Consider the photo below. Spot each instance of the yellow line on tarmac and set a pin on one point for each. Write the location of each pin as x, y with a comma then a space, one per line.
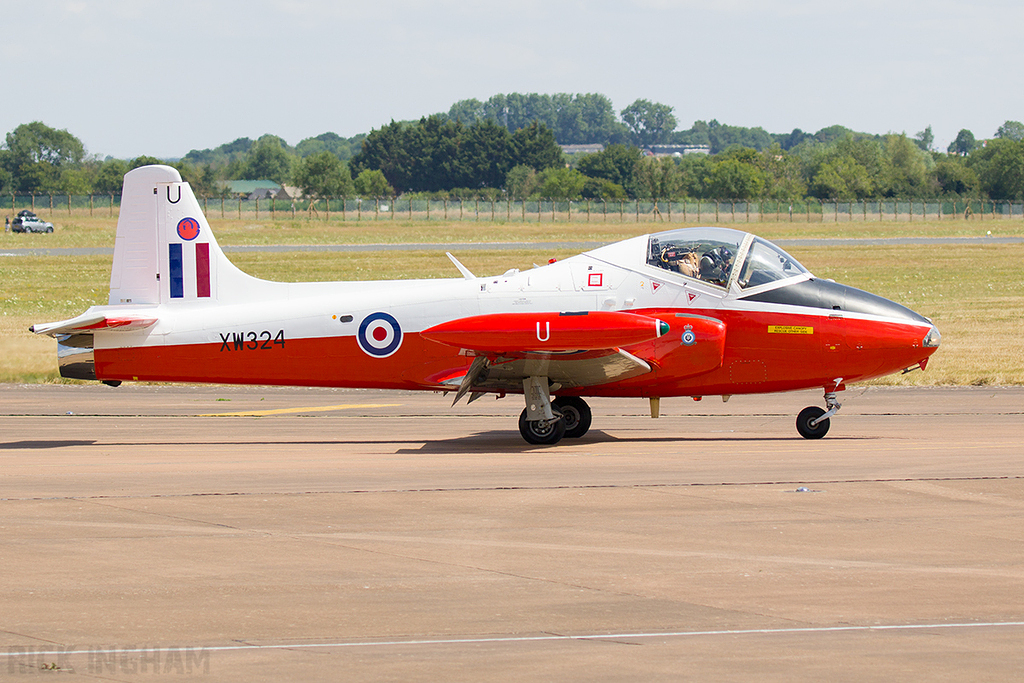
315, 409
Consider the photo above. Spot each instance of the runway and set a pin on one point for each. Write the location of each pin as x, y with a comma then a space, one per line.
249, 534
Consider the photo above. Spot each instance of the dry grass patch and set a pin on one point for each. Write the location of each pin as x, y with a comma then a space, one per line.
975, 295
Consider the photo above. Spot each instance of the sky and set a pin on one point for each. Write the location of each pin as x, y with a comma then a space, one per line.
134, 77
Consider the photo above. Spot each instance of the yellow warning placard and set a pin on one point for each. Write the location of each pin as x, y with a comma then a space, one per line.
789, 329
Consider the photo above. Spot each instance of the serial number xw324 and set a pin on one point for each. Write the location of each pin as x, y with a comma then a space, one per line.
251, 341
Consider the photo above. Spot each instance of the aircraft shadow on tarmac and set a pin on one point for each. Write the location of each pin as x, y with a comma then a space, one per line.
484, 442
505, 441
42, 444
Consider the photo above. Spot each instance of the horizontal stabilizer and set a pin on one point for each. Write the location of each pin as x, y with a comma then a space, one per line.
94, 322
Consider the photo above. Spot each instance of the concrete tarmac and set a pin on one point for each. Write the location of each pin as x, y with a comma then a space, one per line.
269, 534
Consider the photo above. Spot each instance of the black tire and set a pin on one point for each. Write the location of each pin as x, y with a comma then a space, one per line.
49, 228
575, 414
804, 419
539, 433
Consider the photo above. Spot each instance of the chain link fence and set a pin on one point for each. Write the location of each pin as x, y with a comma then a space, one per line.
545, 210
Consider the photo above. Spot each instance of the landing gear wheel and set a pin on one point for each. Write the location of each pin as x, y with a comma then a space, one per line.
804, 420
575, 414
541, 432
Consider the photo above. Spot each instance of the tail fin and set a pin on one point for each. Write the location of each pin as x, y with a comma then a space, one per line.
165, 251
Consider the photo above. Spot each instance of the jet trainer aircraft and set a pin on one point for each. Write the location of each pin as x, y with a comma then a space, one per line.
686, 312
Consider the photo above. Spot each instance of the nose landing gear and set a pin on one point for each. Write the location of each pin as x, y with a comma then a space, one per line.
813, 422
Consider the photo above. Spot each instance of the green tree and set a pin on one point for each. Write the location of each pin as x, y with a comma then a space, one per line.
323, 175
841, 178
735, 178
833, 134
574, 119
783, 174
1011, 130
650, 122
469, 111
535, 146
721, 137
387, 150
694, 170
615, 163
37, 155
142, 161
561, 183
343, 148
846, 169
925, 139
233, 151
38, 177
602, 188
267, 159
906, 169
372, 184
202, 178
657, 178
73, 181
964, 143
955, 178
36, 142
485, 151
520, 182
110, 177
1000, 168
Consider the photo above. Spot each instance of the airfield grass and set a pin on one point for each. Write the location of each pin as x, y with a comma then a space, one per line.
974, 293
98, 231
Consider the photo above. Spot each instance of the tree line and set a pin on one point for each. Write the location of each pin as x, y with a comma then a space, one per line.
509, 146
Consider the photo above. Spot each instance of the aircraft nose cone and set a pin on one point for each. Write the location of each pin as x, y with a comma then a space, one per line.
932, 339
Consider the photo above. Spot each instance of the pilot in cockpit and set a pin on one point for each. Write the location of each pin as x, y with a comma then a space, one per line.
715, 266
679, 260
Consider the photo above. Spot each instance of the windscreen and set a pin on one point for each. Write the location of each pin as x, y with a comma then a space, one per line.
767, 263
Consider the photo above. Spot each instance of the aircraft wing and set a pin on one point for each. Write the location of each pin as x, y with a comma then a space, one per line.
572, 349
587, 370
94, 322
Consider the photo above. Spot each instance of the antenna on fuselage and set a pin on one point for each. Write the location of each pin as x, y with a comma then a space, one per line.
462, 269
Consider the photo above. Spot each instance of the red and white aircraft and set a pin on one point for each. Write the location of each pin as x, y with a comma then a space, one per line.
686, 312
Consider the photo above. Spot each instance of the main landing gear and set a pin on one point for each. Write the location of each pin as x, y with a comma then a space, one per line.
544, 422
813, 422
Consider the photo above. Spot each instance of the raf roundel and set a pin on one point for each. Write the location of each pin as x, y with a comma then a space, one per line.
188, 229
379, 335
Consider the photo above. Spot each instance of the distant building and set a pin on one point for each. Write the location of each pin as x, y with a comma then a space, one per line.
288, 192
678, 150
247, 188
262, 193
581, 149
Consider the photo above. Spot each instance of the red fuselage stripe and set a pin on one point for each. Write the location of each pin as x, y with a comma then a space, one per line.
763, 352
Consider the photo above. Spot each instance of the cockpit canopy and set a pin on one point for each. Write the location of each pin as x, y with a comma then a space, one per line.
721, 256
